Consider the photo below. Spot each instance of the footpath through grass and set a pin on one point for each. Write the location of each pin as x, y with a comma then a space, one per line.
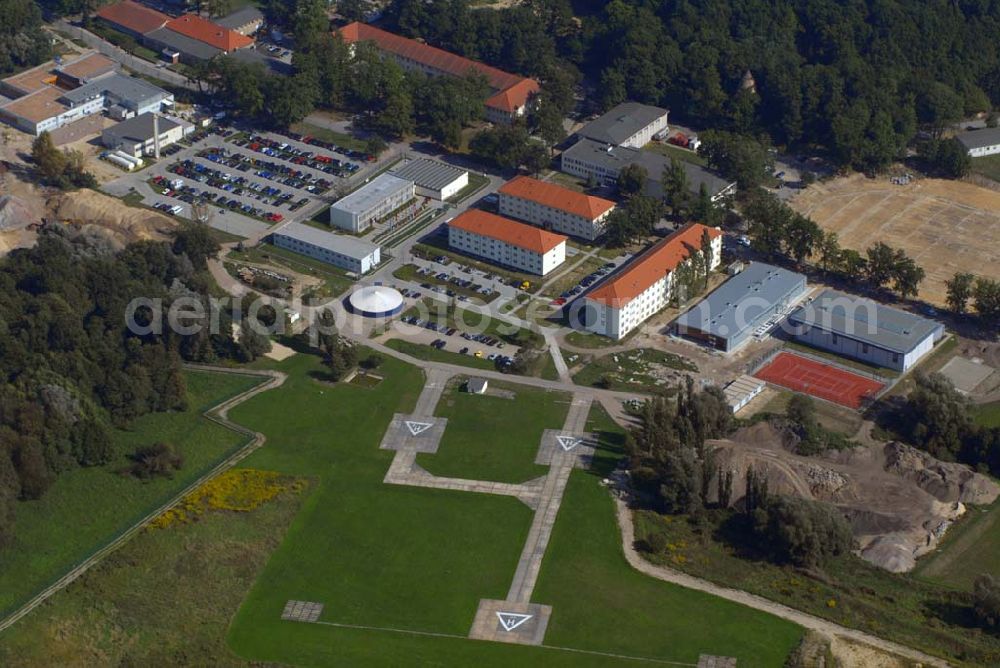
165, 598
600, 603
374, 554
86, 508
493, 437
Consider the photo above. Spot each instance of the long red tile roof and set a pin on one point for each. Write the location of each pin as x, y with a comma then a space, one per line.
203, 30
651, 266
511, 90
557, 197
137, 18
510, 231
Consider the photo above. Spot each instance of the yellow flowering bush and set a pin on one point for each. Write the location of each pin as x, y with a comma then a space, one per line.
236, 490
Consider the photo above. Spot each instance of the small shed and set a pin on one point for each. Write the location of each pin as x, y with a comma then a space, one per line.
476, 385
741, 391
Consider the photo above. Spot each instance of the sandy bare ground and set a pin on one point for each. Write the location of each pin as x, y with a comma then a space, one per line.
946, 226
279, 352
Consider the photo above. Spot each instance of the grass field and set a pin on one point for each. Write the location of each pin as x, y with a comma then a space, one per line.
588, 340
987, 415
492, 437
335, 281
398, 559
988, 166
969, 549
86, 508
164, 599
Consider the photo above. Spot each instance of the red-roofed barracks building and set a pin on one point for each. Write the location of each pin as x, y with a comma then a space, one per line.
506, 242
645, 285
511, 93
554, 207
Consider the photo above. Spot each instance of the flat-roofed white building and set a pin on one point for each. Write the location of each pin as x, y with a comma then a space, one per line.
136, 135
554, 207
433, 179
339, 250
644, 286
371, 202
506, 242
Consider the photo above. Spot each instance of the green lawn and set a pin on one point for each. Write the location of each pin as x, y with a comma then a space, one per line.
987, 415
600, 603
988, 166
87, 508
492, 437
165, 598
589, 340
969, 549
374, 554
476, 183
425, 352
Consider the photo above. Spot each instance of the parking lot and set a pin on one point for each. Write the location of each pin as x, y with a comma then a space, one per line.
248, 180
437, 334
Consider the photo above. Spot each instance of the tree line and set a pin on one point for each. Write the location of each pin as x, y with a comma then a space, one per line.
23, 43
72, 371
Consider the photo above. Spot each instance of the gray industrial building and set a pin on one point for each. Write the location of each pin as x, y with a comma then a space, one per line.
588, 158
629, 124
186, 49
370, 203
865, 330
342, 251
729, 316
433, 179
979, 143
136, 136
123, 96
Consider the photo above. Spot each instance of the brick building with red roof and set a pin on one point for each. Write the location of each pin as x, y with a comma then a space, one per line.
506, 242
132, 18
511, 93
554, 207
646, 284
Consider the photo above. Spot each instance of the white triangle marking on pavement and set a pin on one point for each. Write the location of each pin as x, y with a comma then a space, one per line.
511, 620
568, 442
418, 427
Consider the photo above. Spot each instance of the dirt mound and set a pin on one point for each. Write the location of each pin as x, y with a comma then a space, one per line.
122, 223
16, 214
898, 500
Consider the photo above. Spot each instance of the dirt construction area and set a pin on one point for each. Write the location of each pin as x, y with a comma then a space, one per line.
945, 226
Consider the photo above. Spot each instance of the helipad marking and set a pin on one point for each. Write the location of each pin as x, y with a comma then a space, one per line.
511, 620
417, 428
568, 442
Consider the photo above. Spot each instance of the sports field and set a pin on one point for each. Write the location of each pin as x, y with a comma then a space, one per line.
820, 380
946, 226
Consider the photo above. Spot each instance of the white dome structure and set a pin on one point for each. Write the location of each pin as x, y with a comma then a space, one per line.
376, 301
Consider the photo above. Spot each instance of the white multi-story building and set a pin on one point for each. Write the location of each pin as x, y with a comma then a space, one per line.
644, 286
554, 207
371, 202
340, 250
629, 124
506, 242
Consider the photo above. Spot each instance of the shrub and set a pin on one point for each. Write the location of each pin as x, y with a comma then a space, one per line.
156, 460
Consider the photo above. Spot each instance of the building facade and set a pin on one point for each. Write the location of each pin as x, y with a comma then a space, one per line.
510, 94
980, 143
354, 255
865, 330
630, 124
646, 285
136, 135
371, 202
748, 304
554, 207
589, 159
432, 178
506, 242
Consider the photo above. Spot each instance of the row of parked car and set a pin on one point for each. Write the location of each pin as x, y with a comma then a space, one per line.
190, 195
463, 283
285, 151
584, 283
272, 171
361, 156
239, 186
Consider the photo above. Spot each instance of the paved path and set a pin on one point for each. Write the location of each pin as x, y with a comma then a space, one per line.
434, 387
806, 620
217, 414
530, 562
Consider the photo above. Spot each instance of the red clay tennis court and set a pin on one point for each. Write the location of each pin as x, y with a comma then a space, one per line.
825, 381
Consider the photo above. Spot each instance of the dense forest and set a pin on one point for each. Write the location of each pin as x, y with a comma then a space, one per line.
22, 42
856, 78
70, 368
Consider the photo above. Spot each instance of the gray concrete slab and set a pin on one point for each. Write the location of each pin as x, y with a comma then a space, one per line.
558, 445
965, 374
414, 433
302, 611
506, 621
